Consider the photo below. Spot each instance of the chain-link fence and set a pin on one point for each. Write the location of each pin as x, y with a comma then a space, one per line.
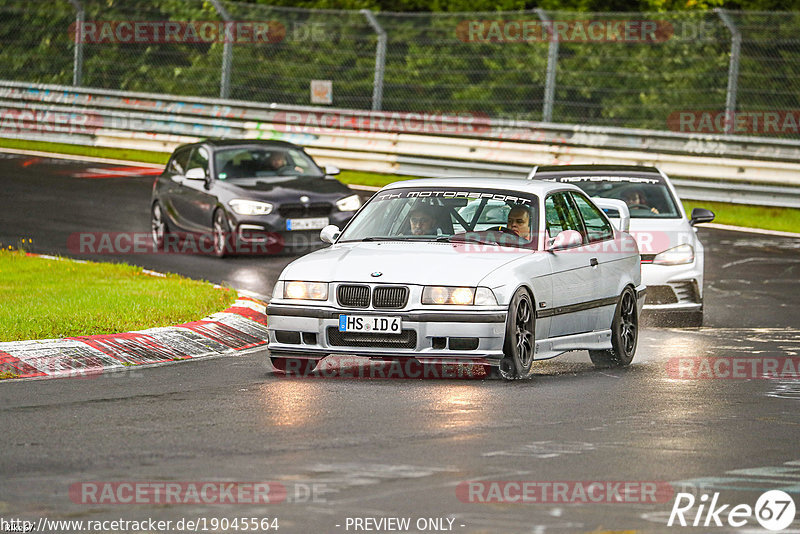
686, 71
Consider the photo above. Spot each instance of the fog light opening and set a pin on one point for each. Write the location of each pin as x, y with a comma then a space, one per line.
439, 343
463, 343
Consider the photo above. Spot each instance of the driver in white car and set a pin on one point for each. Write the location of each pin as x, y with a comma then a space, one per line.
634, 198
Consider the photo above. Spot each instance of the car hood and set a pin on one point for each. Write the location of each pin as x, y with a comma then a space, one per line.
289, 188
657, 235
401, 263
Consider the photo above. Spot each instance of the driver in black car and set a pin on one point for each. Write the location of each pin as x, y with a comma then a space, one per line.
277, 161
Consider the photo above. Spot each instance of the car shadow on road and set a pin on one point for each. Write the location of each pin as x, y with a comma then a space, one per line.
359, 368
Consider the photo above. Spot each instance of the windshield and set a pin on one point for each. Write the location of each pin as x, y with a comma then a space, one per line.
258, 161
476, 215
647, 198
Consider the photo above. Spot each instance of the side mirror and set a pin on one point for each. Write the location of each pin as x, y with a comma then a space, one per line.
197, 173
331, 170
616, 210
701, 215
330, 233
565, 239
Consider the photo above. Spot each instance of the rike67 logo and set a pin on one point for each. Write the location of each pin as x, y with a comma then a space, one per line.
774, 510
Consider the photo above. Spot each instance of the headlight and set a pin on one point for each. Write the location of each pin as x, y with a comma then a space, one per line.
250, 207
485, 297
460, 296
305, 290
351, 203
675, 256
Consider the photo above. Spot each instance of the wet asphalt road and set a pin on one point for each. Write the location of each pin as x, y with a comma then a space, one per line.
354, 448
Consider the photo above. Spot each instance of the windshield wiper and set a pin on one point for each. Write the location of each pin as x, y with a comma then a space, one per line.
400, 238
463, 238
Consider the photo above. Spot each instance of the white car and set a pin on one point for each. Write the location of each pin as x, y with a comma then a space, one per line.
463, 287
672, 255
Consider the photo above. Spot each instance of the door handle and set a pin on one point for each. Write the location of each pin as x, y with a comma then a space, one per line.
593, 262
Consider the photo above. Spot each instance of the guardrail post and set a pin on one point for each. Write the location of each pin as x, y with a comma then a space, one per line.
77, 65
733, 69
227, 51
552, 63
380, 60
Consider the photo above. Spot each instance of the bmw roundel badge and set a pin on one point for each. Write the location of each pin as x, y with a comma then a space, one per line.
376, 274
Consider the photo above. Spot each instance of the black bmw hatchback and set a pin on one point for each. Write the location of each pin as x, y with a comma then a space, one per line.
246, 196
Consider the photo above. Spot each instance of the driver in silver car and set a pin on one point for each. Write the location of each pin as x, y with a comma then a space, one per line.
423, 221
519, 222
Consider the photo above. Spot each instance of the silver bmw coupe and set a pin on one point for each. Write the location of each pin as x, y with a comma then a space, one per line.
493, 272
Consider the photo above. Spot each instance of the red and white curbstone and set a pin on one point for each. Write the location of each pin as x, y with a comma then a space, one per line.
240, 328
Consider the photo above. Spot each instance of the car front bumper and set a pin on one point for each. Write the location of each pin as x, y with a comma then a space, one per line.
673, 288
270, 231
426, 334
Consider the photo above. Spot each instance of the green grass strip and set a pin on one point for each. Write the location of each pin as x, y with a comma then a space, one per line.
144, 156
372, 178
764, 217
45, 298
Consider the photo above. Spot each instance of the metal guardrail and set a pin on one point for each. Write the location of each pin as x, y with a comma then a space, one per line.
740, 169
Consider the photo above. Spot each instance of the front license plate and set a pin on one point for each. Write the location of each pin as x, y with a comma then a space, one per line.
316, 223
370, 323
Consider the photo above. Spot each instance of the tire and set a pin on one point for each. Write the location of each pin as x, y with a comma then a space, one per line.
520, 337
159, 229
221, 233
293, 366
624, 334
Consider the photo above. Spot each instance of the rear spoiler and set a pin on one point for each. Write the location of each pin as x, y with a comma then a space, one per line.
616, 210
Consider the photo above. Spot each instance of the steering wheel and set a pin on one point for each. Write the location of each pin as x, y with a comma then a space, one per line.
503, 229
639, 207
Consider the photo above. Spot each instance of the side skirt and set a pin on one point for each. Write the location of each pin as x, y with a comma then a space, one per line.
552, 347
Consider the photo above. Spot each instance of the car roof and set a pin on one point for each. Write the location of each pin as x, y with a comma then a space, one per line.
597, 173
573, 169
220, 143
534, 187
